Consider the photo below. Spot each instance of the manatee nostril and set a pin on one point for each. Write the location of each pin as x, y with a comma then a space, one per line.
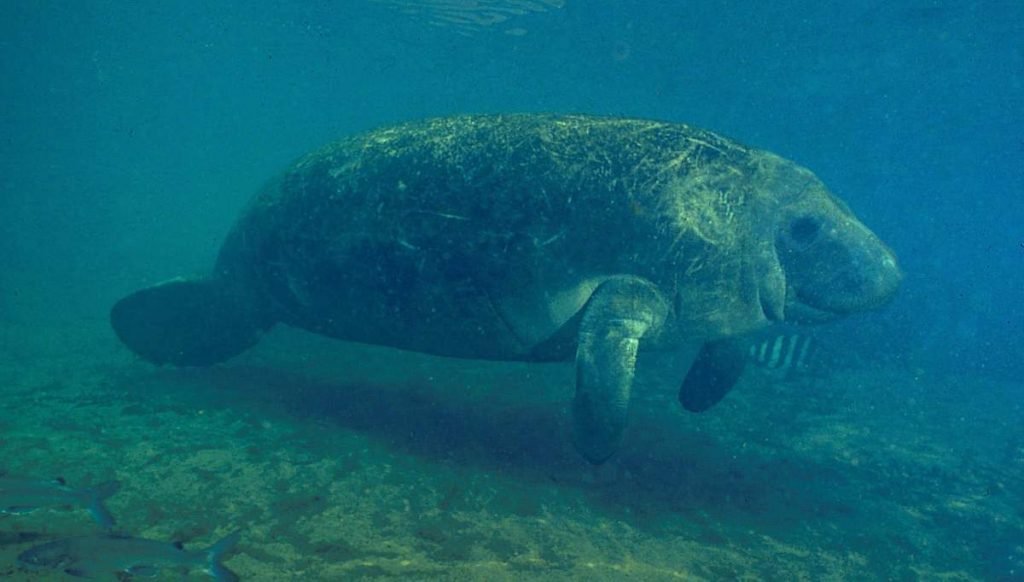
804, 230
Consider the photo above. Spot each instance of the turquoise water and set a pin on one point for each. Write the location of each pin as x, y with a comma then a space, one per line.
134, 135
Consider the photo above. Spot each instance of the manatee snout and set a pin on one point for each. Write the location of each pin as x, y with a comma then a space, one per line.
836, 265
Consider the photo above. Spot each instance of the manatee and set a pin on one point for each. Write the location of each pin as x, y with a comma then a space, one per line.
531, 238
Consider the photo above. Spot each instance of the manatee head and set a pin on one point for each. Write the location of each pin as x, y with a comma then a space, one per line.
832, 264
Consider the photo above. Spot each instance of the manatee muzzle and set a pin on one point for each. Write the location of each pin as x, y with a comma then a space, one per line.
835, 268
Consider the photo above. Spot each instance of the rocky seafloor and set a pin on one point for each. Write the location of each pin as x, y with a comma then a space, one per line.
340, 461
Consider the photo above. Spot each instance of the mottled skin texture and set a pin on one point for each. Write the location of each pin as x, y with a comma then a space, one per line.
531, 237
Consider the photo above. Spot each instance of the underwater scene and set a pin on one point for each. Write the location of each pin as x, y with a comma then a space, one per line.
511, 290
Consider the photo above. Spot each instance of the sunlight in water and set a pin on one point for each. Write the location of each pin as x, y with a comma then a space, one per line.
471, 16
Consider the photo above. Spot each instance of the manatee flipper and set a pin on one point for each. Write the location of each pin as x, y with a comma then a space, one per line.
620, 312
188, 322
716, 370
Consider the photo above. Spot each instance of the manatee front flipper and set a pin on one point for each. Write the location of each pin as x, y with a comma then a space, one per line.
189, 322
716, 370
620, 312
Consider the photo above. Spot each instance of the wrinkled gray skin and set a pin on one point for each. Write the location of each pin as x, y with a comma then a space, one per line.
529, 237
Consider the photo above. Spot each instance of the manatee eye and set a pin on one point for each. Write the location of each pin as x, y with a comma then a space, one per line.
804, 230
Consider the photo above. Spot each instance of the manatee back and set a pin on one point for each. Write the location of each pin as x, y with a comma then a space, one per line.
485, 232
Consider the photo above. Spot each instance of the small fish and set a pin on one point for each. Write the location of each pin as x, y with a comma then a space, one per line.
21, 495
121, 555
785, 354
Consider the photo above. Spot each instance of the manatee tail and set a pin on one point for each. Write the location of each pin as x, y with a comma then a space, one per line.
189, 322
216, 553
96, 496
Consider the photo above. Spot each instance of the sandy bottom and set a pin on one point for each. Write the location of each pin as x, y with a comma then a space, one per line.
348, 462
